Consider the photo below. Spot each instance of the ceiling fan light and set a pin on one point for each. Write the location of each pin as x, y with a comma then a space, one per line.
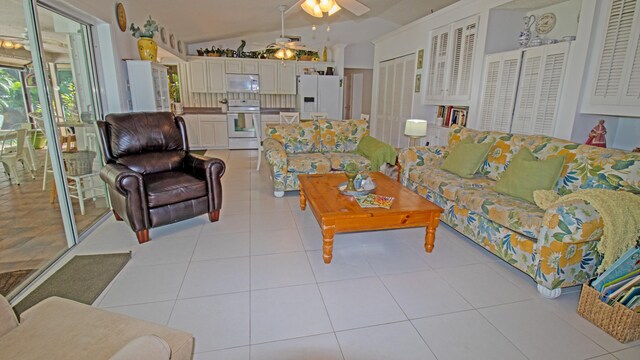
310, 3
310, 9
334, 9
279, 54
326, 5
7, 44
288, 54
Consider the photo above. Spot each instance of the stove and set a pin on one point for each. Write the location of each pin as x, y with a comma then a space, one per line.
243, 118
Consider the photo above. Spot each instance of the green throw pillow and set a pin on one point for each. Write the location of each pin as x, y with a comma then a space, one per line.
526, 173
466, 157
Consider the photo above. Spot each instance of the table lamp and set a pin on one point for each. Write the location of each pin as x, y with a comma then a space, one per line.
415, 129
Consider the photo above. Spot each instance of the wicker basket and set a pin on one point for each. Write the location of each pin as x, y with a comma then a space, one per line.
618, 321
79, 163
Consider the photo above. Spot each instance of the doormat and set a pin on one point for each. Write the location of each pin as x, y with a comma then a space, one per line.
82, 279
9, 280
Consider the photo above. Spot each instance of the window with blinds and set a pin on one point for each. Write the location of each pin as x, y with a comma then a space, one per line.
616, 47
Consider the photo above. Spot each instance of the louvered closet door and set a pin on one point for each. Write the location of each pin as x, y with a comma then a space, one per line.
631, 91
380, 111
499, 85
614, 50
461, 60
437, 64
539, 89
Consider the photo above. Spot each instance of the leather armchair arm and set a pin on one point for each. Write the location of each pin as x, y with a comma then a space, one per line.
125, 180
210, 170
128, 194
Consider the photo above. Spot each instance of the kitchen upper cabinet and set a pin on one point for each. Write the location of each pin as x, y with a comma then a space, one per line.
615, 87
277, 77
450, 63
499, 85
207, 76
238, 66
539, 89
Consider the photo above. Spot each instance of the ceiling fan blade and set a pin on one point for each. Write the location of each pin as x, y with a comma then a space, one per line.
293, 7
357, 8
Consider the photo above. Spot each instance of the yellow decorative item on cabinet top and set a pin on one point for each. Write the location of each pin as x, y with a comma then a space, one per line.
148, 49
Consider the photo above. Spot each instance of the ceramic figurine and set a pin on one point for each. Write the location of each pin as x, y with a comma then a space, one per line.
597, 135
525, 34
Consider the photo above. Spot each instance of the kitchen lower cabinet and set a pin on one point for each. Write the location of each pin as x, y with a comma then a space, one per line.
206, 131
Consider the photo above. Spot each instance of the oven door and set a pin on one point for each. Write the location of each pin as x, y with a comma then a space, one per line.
242, 124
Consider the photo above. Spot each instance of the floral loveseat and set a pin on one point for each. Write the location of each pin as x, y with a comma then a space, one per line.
312, 147
557, 248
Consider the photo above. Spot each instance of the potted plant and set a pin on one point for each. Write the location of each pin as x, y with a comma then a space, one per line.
201, 51
304, 55
147, 47
215, 52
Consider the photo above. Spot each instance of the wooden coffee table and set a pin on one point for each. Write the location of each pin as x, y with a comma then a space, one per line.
337, 213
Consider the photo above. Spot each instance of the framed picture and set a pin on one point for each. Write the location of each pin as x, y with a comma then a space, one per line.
418, 81
420, 58
121, 15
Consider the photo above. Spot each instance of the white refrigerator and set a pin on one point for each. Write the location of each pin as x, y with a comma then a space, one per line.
320, 94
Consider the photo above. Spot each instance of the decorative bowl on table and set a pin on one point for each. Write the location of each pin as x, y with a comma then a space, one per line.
360, 191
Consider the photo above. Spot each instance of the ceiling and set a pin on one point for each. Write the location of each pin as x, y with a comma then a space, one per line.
205, 20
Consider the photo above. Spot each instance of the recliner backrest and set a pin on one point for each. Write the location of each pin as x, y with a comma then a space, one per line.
145, 142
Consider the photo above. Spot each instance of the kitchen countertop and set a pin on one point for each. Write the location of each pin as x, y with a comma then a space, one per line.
264, 111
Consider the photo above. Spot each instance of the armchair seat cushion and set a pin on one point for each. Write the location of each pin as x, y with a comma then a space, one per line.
340, 160
172, 187
311, 163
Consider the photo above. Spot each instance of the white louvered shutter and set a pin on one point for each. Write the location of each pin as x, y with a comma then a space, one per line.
430, 91
553, 66
506, 92
524, 113
438, 64
489, 90
631, 93
380, 112
462, 50
615, 46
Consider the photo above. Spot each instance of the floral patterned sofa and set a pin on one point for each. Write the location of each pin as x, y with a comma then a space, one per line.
312, 147
557, 248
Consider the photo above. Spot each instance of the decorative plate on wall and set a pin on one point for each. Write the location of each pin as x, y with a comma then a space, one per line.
546, 22
172, 41
180, 46
121, 15
163, 35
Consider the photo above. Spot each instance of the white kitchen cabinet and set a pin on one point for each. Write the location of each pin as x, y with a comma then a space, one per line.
206, 131
615, 85
193, 130
450, 63
395, 96
539, 89
268, 72
241, 66
277, 77
499, 85
207, 76
148, 86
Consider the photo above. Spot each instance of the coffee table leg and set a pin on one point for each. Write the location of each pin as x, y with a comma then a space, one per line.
328, 233
430, 238
303, 200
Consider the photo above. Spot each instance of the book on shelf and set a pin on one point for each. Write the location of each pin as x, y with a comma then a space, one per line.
374, 201
452, 115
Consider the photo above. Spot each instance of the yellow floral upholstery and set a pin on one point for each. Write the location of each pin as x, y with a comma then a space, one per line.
313, 163
299, 138
556, 247
340, 160
342, 136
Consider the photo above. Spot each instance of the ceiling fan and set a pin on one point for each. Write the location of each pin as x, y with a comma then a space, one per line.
286, 44
318, 7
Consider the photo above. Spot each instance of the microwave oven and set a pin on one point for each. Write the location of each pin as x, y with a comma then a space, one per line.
243, 83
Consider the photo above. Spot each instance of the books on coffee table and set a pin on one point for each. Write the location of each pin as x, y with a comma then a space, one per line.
374, 201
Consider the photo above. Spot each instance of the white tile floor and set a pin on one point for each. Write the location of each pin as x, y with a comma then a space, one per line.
253, 286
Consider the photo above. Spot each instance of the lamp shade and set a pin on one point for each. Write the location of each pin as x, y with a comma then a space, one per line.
415, 128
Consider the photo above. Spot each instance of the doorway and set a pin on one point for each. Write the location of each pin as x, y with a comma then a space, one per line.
357, 92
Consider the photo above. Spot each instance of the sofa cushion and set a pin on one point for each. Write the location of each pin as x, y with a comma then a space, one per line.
297, 138
446, 183
312, 163
465, 158
515, 214
340, 160
342, 135
172, 187
527, 174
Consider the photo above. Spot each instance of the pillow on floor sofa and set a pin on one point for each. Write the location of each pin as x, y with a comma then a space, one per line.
526, 173
466, 157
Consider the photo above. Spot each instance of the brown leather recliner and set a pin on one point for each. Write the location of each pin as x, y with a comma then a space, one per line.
152, 178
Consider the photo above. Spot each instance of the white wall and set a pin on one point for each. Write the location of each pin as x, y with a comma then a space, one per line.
359, 56
566, 19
